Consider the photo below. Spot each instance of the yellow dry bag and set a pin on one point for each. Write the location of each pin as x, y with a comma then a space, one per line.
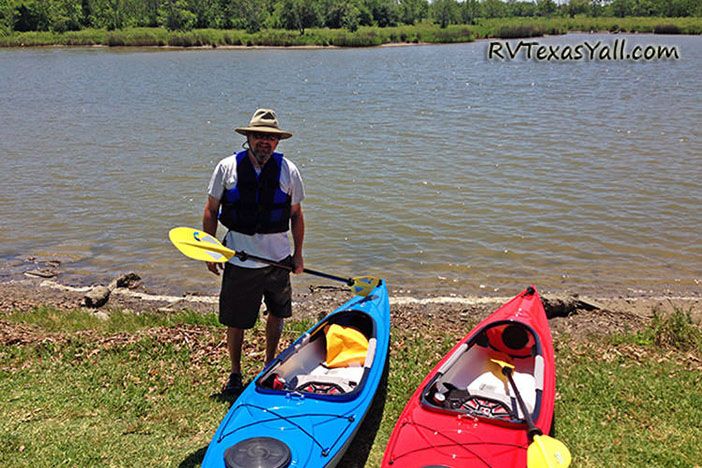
346, 346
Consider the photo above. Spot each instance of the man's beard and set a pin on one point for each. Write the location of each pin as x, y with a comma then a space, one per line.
262, 153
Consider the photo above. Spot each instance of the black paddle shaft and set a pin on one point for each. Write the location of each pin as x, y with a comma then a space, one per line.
243, 256
533, 430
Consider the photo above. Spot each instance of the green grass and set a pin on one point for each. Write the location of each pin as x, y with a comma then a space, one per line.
559, 25
134, 390
53, 320
632, 408
365, 36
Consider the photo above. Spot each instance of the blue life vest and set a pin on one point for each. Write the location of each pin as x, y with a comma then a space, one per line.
256, 204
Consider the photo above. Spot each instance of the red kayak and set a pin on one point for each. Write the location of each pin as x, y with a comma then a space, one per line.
465, 413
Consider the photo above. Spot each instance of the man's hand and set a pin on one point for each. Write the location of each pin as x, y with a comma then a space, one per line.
298, 263
215, 267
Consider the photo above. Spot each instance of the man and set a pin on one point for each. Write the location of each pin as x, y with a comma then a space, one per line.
256, 195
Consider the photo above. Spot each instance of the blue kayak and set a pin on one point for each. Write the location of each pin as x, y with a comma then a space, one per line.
305, 407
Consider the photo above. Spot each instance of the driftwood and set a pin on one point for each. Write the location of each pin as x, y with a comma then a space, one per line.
41, 273
50, 269
563, 306
99, 295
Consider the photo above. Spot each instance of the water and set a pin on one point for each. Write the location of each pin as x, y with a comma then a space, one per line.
430, 166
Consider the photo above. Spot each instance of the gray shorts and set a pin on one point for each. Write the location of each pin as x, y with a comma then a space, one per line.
244, 288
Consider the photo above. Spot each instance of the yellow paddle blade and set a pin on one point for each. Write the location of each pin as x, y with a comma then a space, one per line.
547, 452
363, 285
199, 245
502, 364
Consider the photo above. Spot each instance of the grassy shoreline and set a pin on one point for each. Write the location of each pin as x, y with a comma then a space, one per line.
504, 28
134, 388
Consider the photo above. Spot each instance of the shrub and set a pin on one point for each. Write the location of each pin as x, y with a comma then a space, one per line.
115, 39
666, 29
676, 331
518, 31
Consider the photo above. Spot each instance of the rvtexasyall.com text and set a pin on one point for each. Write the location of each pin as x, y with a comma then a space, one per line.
617, 50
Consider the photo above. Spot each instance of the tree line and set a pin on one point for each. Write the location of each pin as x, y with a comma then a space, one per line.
254, 15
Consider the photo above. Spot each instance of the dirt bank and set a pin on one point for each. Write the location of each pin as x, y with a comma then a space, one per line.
583, 317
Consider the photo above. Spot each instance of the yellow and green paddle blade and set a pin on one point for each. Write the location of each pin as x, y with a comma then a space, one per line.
363, 285
199, 245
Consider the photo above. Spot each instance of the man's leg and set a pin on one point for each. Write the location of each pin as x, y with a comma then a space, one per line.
278, 298
235, 339
274, 328
239, 301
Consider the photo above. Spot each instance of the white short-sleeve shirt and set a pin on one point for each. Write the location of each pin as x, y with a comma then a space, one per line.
275, 246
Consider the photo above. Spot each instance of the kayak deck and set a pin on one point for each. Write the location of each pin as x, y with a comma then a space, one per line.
299, 408
465, 413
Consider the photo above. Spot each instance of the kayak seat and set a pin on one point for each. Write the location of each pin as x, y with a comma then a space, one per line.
332, 360
475, 377
489, 404
333, 380
490, 386
328, 381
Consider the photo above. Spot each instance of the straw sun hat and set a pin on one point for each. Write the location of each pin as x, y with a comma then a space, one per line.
264, 121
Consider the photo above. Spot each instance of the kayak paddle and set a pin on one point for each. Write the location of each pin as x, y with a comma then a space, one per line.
199, 245
543, 451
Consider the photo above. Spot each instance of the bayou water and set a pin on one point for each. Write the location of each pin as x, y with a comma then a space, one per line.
430, 165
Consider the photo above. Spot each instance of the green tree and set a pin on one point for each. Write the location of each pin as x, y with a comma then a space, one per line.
470, 11
494, 9
384, 12
351, 18
412, 11
174, 15
622, 8
108, 14
65, 15
6, 17
577, 7
445, 12
349, 14
546, 7
299, 14
675, 8
596, 8
141, 12
246, 14
520, 8
208, 13
333, 12
32, 15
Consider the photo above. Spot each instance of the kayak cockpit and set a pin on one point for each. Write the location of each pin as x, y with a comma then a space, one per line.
330, 362
470, 383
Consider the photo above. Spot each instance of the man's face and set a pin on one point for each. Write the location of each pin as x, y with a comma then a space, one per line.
262, 145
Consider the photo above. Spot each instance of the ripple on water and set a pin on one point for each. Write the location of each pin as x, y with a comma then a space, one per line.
427, 165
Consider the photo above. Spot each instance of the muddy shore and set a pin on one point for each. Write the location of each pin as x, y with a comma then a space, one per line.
577, 317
